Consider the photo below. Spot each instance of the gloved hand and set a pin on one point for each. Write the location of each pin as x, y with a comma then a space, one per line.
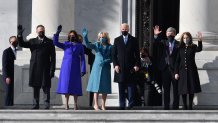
20, 30
83, 73
59, 29
85, 32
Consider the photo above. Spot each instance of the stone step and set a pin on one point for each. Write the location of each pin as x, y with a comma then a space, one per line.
117, 116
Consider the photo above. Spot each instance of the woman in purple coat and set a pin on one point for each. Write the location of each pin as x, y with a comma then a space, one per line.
72, 68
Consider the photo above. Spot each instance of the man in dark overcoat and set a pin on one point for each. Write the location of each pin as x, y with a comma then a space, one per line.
42, 64
126, 61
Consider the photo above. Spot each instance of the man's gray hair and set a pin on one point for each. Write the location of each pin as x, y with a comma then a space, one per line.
171, 29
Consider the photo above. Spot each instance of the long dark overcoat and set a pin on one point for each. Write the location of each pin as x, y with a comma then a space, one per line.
42, 61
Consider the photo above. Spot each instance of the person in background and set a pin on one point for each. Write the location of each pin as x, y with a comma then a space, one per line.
186, 70
72, 68
8, 57
126, 62
42, 64
148, 87
100, 78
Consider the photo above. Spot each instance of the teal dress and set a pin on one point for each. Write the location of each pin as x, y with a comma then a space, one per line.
100, 78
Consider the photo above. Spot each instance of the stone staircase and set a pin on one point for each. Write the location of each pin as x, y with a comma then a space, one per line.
137, 115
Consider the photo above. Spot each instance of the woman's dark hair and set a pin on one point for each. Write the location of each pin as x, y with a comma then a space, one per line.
182, 43
75, 33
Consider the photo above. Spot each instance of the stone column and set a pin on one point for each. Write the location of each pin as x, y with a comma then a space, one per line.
201, 15
52, 13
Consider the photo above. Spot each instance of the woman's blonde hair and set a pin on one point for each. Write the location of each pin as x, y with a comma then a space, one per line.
104, 35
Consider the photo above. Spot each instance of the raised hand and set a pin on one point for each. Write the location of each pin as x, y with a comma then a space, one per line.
85, 32
20, 30
157, 30
59, 29
199, 36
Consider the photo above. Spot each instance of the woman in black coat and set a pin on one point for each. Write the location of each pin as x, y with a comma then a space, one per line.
186, 70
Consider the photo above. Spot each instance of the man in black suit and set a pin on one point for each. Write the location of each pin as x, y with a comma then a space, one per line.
167, 50
8, 57
42, 64
126, 61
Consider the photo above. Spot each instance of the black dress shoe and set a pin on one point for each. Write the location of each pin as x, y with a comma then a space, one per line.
121, 108
130, 108
175, 107
47, 107
190, 107
185, 107
35, 107
166, 108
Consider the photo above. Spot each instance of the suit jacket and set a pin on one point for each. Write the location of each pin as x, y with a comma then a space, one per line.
126, 56
164, 60
8, 58
42, 61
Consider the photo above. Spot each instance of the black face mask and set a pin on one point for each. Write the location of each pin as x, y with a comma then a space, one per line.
188, 42
125, 33
41, 34
15, 44
171, 38
73, 39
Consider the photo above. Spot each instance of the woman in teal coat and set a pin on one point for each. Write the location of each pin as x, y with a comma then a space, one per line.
100, 78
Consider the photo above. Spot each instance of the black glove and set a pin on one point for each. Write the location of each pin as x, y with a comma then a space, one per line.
20, 30
83, 73
51, 74
59, 29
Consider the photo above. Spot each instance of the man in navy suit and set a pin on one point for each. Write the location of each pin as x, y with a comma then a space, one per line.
168, 50
8, 57
126, 61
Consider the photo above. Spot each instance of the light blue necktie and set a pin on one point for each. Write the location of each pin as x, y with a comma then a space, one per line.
125, 40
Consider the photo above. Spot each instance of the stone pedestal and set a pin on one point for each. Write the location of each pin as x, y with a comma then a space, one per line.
201, 15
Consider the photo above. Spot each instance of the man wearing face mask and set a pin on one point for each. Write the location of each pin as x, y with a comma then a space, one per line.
168, 50
126, 60
42, 64
8, 57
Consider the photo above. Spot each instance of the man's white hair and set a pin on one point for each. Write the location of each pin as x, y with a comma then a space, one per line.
171, 29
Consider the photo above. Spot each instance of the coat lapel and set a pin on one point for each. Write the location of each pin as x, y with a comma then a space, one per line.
12, 53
